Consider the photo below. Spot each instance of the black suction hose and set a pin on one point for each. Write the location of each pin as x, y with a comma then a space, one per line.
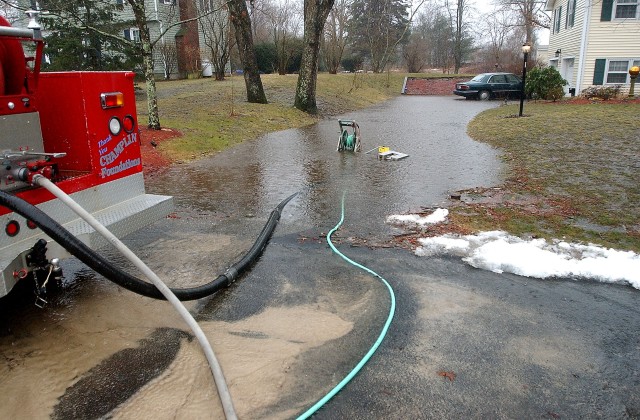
123, 279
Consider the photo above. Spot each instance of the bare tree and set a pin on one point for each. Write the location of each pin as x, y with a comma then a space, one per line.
216, 30
146, 47
315, 16
285, 20
259, 12
435, 28
531, 15
498, 25
9, 10
169, 57
415, 52
145, 43
239, 16
458, 11
335, 35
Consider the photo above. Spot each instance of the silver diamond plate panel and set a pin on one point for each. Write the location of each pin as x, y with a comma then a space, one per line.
121, 205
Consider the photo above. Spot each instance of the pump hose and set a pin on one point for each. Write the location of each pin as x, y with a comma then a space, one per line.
381, 336
101, 265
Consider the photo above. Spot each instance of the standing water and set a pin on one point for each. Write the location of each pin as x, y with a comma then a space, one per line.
97, 350
253, 177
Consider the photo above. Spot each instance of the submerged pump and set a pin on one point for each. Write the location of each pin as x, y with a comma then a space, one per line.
349, 139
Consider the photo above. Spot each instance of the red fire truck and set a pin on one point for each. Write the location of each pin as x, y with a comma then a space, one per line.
78, 129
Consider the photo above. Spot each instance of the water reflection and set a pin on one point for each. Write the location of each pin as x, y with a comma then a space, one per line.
253, 177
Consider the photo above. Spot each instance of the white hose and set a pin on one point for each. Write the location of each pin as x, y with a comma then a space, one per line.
218, 376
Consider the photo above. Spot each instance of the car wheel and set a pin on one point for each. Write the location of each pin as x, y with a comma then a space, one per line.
484, 95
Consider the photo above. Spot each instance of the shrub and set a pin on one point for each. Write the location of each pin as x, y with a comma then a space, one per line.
601, 92
351, 63
266, 56
545, 83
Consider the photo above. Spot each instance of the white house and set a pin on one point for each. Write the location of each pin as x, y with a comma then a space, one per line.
161, 15
594, 42
177, 50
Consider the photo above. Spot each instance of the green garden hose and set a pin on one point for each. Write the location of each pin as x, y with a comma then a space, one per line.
375, 346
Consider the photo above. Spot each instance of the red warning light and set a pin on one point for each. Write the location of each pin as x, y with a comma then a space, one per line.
12, 228
128, 124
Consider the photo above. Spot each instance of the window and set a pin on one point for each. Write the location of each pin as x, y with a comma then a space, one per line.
626, 9
498, 78
169, 2
618, 71
557, 14
132, 34
571, 14
513, 79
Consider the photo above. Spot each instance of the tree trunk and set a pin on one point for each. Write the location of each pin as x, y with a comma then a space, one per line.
315, 16
242, 23
147, 57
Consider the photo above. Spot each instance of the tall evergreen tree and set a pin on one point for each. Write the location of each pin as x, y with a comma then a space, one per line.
377, 27
84, 35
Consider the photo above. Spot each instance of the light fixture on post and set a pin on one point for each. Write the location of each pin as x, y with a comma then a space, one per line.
558, 52
525, 50
633, 73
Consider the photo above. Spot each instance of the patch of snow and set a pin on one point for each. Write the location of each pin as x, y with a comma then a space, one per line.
500, 252
438, 216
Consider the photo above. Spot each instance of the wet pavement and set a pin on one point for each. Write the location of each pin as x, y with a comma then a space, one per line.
297, 323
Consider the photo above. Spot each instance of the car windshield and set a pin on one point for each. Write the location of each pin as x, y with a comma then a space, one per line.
480, 78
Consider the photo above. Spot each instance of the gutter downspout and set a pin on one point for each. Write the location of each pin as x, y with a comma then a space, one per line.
583, 45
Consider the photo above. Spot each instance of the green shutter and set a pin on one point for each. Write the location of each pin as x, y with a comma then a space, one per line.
559, 19
598, 72
607, 8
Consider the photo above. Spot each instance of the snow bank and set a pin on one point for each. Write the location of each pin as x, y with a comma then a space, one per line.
500, 252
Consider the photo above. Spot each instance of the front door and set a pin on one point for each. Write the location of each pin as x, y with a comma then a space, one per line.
566, 71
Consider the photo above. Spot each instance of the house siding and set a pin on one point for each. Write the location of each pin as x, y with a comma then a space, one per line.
159, 17
568, 40
613, 39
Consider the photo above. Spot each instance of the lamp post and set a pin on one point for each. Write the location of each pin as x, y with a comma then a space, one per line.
633, 73
525, 50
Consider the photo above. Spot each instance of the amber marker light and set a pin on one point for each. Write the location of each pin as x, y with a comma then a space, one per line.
112, 100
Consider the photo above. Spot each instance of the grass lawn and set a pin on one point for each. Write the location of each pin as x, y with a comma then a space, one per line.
579, 164
574, 167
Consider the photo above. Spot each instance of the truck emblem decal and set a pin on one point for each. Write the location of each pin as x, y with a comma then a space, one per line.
122, 166
118, 149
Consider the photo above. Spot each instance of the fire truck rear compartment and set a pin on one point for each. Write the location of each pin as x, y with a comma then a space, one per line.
122, 206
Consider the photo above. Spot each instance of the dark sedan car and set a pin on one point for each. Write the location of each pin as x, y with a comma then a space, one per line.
490, 85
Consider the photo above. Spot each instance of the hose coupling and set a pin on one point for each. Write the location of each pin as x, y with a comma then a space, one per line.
231, 274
